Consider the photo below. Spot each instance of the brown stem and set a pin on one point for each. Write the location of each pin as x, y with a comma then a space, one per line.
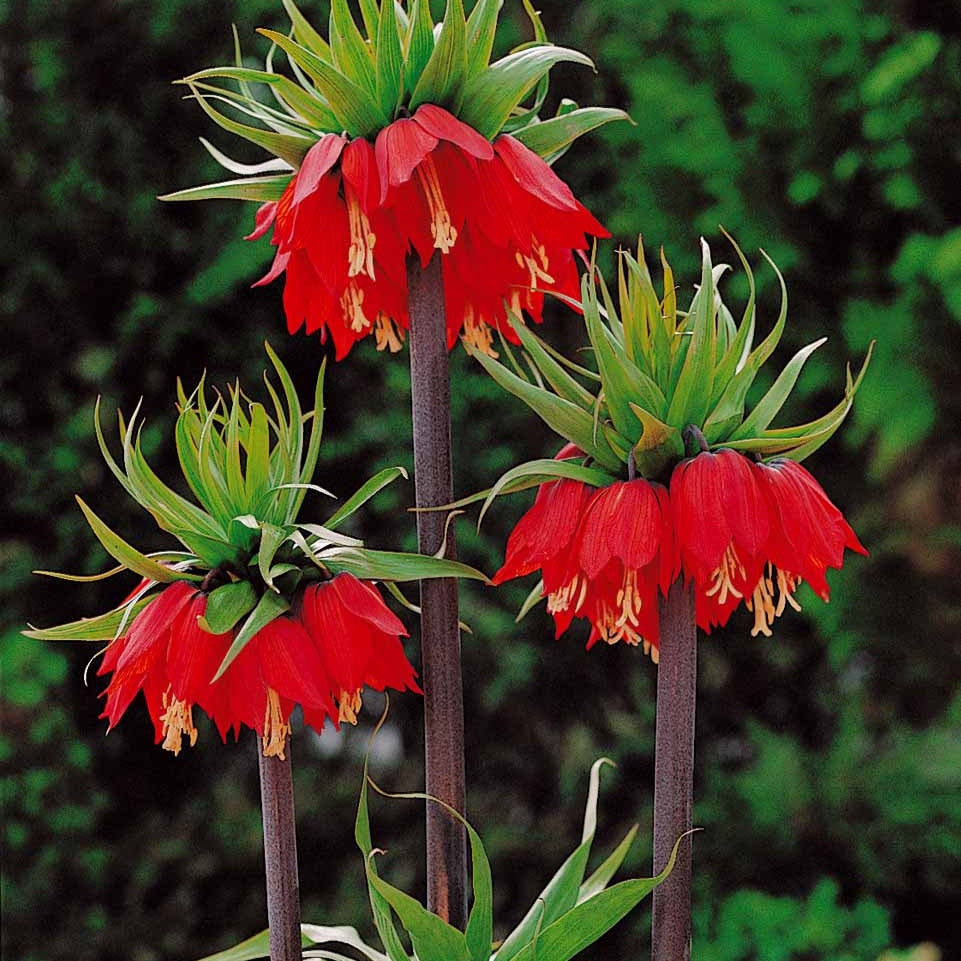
280, 855
440, 634
674, 772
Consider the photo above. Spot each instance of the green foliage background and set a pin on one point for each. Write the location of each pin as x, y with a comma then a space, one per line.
829, 759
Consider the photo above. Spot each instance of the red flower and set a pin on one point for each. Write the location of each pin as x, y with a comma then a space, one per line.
808, 535
505, 224
753, 532
722, 525
166, 654
604, 555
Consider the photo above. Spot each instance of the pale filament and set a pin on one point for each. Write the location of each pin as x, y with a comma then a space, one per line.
478, 335
352, 305
619, 622
348, 705
536, 265
388, 336
762, 600
177, 721
360, 254
441, 228
275, 728
562, 598
722, 578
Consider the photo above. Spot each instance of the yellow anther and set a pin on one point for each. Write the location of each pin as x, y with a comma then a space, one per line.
388, 336
478, 335
441, 228
352, 305
349, 703
536, 265
276, 728
177, 721
360, 254
722, 578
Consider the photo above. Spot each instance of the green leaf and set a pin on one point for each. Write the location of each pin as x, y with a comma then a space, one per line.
419, 44
351, 55
550, 138
769, 405
286, 146
227, 605
489, 97
481, 30
377, 483
390, 60
304, 33
396, 566
83, 578
271, 539
129, 556
535, 472
269, 607
103, 627
258, 189
355, 109
563, 417
599, 880
442, 79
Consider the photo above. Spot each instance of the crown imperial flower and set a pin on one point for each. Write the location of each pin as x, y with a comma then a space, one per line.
408, 142
260, 611
741, 519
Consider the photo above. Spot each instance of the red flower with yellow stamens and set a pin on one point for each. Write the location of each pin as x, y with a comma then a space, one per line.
603, 554
346, 639
752, 531
505, 225
808, 535
358, 637
722, 525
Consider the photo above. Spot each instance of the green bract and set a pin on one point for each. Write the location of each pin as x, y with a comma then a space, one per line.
366, 77
660, 370
570, 914
249, 467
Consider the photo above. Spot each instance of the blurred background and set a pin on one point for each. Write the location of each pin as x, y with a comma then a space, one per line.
829, 758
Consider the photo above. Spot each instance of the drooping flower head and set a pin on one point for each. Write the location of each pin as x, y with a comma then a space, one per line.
407, 143
689, 484
261, 611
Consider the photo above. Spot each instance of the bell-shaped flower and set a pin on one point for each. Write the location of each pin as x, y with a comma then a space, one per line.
407, 144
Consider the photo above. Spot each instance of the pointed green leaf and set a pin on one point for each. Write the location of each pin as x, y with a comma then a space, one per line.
396, 566
771, 403
83, 578
210, 551
227, 605
376, 483
550, 138
561, 416
103, 627
599, 880
304, 33
489, 97
390, 59
129, 556
271, 539
286, 146
442, 79
481, 30
269, 607
258, 189
351, 55
419, 43
355, 109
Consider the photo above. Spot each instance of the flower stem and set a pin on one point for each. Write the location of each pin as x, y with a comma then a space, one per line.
674, 772
440, 633
280, 855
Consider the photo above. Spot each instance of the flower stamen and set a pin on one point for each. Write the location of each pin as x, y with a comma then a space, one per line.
275, 728
441, 228
360, 253
478, 335
536, 263
177, 721
348, 704
722, 578
352, 305
388, 336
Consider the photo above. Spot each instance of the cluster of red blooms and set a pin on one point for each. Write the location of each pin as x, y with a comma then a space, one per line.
340, 639
736, 529
505, 224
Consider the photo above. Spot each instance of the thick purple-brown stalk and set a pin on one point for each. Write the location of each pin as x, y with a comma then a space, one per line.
440, 634
674, 772
280, 855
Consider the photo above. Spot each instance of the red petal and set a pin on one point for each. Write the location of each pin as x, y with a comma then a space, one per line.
399, 148
359, 169
318, 162
152, 625
445, 126
290, 664
263, 221
364, 600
